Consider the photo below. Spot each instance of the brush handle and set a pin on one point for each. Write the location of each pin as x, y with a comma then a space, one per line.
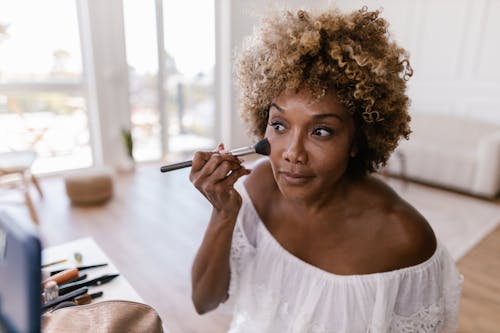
176, 166
63, 277
185, 164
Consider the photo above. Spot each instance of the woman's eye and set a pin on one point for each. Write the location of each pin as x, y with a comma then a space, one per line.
277, 126
322, 132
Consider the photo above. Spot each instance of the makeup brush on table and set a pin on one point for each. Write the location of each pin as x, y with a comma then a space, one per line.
262, 147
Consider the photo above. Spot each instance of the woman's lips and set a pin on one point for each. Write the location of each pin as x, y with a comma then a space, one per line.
295, 178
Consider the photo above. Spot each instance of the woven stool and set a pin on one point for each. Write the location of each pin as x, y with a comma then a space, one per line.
89, 186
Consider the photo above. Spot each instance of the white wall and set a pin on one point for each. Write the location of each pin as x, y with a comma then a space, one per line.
106, 70
454, 47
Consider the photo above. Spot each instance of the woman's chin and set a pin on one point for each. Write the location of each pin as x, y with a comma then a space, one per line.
296, 191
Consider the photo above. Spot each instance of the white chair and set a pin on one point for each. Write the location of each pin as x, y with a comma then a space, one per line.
15, 174
451, 151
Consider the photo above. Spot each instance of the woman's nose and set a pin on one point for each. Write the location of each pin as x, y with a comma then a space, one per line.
295, 152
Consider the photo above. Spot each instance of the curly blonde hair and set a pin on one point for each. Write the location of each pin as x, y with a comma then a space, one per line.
351, 53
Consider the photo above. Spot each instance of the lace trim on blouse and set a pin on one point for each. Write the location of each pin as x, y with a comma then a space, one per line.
441, 314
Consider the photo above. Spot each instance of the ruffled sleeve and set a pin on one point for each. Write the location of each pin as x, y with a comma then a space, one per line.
434, 309
243, 243
452, 291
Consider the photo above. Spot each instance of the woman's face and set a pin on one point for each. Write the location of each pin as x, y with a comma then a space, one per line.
311, 142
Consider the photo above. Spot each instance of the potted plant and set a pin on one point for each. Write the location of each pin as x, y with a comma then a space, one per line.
129, 147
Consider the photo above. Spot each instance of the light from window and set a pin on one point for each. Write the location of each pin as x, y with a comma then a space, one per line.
42, 99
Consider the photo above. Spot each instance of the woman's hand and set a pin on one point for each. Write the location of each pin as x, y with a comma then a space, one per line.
214, 174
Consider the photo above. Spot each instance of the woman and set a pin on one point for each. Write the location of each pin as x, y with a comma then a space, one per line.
308, 241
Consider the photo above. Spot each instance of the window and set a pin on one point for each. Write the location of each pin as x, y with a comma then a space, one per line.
186, 117
190, 59
42, 95
142, 59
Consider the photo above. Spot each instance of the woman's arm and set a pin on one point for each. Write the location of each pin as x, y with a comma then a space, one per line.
214, 175
210, 273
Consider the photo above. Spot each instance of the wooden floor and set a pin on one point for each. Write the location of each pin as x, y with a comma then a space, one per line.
480, 306
154, 224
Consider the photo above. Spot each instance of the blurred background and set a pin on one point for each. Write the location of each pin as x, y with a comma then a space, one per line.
91, 87
78, 75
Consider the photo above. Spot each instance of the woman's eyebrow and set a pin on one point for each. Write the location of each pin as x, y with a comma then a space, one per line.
328, 115
277, 107
316, 116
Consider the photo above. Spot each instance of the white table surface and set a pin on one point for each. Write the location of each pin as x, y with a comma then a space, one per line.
117, 289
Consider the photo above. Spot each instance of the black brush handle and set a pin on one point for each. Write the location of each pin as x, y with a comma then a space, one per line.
69, 287
80, 268
64, 298
176, 166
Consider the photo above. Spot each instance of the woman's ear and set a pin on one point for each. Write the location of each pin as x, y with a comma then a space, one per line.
353, 153
265, 112
354, 149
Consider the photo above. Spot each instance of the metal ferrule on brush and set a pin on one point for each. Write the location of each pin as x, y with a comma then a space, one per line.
243, 151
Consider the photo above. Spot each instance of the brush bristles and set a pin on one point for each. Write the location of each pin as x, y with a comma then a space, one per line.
263, 147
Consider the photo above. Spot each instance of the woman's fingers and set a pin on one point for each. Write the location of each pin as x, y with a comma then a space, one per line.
220, 148
230, 179
224, 169
218, 162
204, 163
199, 160
214, 174
212, 167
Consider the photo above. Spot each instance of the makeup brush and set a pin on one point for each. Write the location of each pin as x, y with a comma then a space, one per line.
262, 147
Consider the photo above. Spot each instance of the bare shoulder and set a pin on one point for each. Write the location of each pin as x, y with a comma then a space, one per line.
261, 176
411, 239
260, 185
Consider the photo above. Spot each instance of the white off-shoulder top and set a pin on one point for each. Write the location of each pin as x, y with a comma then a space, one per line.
273, 291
